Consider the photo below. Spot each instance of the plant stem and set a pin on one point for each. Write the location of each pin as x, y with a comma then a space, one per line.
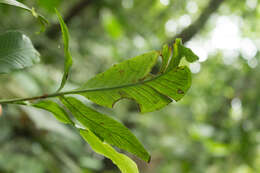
44, 96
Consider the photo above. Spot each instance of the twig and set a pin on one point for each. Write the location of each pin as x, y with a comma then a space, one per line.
44, 96
194, 28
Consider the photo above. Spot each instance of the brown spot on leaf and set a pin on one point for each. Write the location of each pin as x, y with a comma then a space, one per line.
121, 71
180, 91
142, 79
102, 123
121, 93
134, 80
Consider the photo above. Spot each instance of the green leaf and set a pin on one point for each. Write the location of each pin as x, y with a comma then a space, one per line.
54, 108
68, 57
124, 163
16, 52
179, 51
189, 55
106, 128
176, 57
15, 3
166, 55
131, 79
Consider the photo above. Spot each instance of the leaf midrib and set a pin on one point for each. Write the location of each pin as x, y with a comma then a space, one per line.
115, 87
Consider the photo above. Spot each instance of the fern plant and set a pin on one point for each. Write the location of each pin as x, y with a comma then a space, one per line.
131, 79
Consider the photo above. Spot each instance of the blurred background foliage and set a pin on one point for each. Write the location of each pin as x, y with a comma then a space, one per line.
214, 128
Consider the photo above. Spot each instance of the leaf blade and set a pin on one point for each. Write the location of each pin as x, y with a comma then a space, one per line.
136, 85
189, 55
124, 163
180, 51
68, 57
106, 128
55, 109
16, 52
166, 55
15, 3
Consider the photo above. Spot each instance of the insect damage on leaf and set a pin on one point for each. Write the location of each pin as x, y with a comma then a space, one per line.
132, 79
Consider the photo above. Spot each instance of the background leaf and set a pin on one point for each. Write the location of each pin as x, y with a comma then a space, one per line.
16, 52
15, 3
106, 128
124, 163
68, 58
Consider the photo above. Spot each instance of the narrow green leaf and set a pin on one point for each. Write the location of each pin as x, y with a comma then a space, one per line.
124, 163
54, 108
176, 57
129, 79
166, 55
16, 52
15, 3
68, 57
106, 128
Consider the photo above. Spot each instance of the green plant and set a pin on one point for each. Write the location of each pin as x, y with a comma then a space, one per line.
130, 79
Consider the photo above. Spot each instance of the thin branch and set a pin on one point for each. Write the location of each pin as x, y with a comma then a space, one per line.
194, 28
16, 100
73, 12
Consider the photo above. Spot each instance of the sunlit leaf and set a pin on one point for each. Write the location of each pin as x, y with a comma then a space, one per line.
166, 55
180, 51
106, 128
16, 52
132, 79
124, 163
68, 58
54, 108
189, 55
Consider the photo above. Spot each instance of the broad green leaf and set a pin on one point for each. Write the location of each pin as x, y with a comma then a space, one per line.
68, 58
54, 108
129, 79
15, 3
16, 52
124, 163
106, 128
